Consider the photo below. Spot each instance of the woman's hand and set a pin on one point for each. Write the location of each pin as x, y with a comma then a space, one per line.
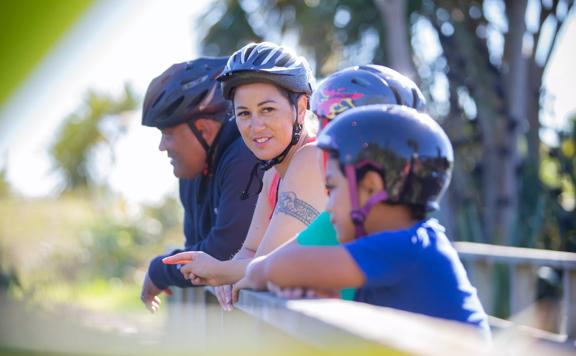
224, 296
254, 278
198, 267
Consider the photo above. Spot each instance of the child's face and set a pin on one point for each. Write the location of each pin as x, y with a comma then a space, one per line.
339, 205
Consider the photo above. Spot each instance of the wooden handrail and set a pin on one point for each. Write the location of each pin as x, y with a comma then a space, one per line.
517, 255
523, 263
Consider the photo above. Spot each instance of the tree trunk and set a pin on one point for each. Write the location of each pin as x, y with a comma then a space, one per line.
515, 70
394, 13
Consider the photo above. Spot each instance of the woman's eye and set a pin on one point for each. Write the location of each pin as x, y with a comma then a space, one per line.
267, 110
329, 189
242, 114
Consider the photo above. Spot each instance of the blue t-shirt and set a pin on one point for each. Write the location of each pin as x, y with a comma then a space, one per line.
419, 271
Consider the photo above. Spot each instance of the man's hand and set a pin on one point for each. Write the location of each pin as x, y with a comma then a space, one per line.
198, 267
150, 293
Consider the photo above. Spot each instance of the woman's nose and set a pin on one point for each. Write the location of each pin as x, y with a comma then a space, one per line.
258, 123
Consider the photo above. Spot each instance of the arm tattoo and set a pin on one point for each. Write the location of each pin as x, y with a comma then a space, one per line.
289, 204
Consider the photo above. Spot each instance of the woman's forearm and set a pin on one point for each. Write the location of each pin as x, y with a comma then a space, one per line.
233, 270
244, 252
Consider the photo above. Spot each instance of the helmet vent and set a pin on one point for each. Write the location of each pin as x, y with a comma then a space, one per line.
197, 99
399, 100
415, 103
282, 61
158, 99
247, 53
189, 84
170, 109
260, 58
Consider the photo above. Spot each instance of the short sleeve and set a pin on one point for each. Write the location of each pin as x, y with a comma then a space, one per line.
384, 259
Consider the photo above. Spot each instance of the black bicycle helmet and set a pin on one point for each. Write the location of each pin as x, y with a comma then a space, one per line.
407, 148
267, 62
184, 92
363, 85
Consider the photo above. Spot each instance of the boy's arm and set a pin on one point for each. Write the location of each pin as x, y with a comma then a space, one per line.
313, 267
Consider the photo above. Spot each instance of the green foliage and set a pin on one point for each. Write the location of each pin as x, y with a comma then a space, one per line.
4, 185
76, 251
28, 34
560, 185
8, 275
112, 248
82, 132
344, 24
498, 194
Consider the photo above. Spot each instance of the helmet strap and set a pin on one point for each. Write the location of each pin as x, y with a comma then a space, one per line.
199, 136
357, 214
207, 148
253, 174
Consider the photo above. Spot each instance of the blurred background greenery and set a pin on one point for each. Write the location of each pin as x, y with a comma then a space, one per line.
481, 64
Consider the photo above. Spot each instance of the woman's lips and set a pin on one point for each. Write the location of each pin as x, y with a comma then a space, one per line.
260, 141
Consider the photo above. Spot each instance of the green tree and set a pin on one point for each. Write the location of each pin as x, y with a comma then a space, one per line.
82, 132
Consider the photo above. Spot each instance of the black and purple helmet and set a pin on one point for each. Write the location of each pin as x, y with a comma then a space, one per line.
407, 148
363, 85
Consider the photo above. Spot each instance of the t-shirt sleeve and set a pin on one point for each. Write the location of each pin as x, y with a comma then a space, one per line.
319, 233
233, 215
383, 259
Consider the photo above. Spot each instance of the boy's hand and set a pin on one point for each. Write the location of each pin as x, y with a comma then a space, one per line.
150, 293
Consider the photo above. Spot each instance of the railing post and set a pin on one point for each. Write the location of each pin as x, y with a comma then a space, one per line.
523, 287
568, 314
482, 280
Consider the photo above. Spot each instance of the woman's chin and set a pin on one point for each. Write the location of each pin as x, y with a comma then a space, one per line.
264, 155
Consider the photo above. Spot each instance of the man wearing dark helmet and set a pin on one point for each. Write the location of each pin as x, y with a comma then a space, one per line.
208, 154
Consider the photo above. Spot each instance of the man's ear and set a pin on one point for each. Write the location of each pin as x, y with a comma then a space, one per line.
372, 183
208, 128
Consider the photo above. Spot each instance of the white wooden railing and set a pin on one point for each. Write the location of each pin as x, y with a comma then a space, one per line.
523, 264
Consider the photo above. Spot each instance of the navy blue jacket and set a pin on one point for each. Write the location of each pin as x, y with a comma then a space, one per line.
216, 221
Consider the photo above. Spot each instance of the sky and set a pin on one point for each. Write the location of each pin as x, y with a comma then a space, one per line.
134, 41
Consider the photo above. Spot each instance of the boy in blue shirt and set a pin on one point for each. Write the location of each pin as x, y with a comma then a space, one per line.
388, 166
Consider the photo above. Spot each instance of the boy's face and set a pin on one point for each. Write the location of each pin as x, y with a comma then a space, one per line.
339, 205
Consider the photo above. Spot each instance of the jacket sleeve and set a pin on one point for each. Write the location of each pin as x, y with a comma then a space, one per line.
232, 215
231, 220
164, 276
